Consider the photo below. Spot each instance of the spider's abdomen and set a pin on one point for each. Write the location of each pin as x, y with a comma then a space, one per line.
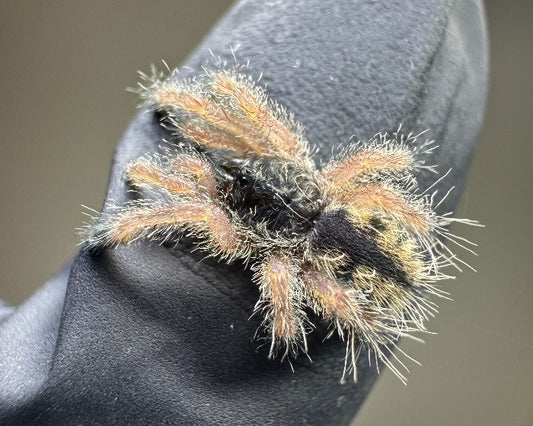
334, 231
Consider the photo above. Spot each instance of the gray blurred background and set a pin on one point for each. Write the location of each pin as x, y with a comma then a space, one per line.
63, 107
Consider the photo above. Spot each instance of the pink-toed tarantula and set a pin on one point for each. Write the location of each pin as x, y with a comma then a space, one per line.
353, 241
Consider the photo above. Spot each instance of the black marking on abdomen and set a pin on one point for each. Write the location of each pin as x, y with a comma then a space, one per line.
334, 231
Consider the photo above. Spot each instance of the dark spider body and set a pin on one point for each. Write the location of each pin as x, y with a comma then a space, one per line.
333, 231
282, 206
352, 241
268, 192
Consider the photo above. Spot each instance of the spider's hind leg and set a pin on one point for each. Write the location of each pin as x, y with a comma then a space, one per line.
382, 200
281, 300
356, 318
360, 160
340, 307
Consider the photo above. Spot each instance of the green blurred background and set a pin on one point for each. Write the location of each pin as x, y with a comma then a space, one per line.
63, 107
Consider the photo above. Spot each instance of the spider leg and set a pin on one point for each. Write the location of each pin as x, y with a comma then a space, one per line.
230, 113
182, 174
359, 318
281, 300
148, 172
366, 200
198, 169
153, 220
340, 306
334, 302
362, 161
203, 120
279, 130
193, 205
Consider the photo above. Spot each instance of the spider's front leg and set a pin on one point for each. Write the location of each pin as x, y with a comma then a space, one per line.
183, 174
229, 112
281, 301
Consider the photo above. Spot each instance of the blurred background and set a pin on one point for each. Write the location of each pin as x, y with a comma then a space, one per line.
63, 107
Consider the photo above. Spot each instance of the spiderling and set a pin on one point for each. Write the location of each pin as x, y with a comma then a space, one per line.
355, 240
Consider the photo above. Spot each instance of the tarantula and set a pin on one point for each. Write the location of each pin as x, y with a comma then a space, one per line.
354, 241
